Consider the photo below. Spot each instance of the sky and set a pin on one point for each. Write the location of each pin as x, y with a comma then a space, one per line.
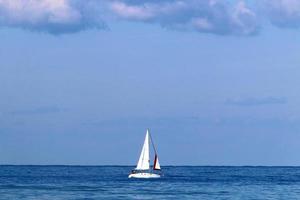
217, 82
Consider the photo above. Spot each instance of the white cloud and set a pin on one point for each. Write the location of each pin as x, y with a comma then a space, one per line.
56, 16
244, 18
212, 16
283, 13
222, 17
147, 10
132, 12
202, 24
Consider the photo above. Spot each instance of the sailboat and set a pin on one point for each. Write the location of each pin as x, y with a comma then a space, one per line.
143, 169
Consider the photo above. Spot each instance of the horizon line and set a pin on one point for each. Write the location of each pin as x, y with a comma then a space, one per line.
73, 165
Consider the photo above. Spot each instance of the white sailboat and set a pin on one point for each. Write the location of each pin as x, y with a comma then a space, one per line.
143, 169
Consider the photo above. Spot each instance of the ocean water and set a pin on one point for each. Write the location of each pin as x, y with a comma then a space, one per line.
111, 182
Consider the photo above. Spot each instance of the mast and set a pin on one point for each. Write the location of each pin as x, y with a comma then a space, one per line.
152, 142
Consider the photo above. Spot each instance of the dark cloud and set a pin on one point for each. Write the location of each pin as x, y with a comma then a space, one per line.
256, 101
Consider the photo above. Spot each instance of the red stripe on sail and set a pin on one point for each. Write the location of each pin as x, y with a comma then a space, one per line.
155, 161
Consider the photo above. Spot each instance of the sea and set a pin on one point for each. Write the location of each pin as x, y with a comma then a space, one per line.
178, 182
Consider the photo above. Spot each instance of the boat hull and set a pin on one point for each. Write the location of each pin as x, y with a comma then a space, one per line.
144, 175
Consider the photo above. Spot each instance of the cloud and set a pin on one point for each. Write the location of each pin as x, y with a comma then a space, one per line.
256, 101
53, 16
38, 110
283, 13
220, 17
211, 16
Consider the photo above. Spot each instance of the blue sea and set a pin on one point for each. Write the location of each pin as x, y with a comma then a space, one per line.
111, 182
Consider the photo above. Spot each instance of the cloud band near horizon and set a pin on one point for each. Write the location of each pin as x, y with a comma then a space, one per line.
204, 16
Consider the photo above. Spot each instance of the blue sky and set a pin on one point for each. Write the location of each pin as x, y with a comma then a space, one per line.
217, 82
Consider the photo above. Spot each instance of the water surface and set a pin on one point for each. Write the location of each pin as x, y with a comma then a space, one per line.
111, 182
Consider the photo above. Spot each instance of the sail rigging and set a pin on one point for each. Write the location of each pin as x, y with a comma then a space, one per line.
156, 165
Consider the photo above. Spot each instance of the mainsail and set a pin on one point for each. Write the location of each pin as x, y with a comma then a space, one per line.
144, 161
